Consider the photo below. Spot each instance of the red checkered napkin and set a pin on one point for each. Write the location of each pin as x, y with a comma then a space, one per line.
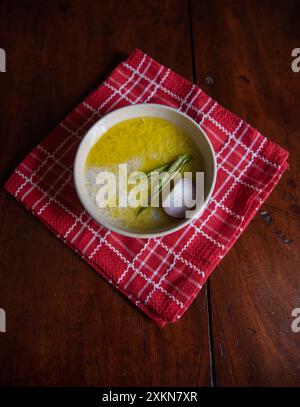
161, 276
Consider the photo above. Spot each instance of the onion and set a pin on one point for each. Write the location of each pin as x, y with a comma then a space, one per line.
180, 199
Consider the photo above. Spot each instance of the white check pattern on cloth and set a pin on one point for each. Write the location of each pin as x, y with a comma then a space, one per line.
161, 276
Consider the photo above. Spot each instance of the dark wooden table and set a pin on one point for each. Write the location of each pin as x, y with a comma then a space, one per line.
66, 325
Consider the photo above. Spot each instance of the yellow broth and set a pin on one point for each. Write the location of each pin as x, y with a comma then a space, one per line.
144, 144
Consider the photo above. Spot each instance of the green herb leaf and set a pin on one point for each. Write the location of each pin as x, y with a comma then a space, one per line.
169, 171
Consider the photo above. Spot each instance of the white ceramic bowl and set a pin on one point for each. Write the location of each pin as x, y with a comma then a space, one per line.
176, 117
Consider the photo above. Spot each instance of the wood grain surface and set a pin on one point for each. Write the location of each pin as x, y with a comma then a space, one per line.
67, 326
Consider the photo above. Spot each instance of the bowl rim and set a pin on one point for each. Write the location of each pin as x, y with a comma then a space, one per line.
146, 235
